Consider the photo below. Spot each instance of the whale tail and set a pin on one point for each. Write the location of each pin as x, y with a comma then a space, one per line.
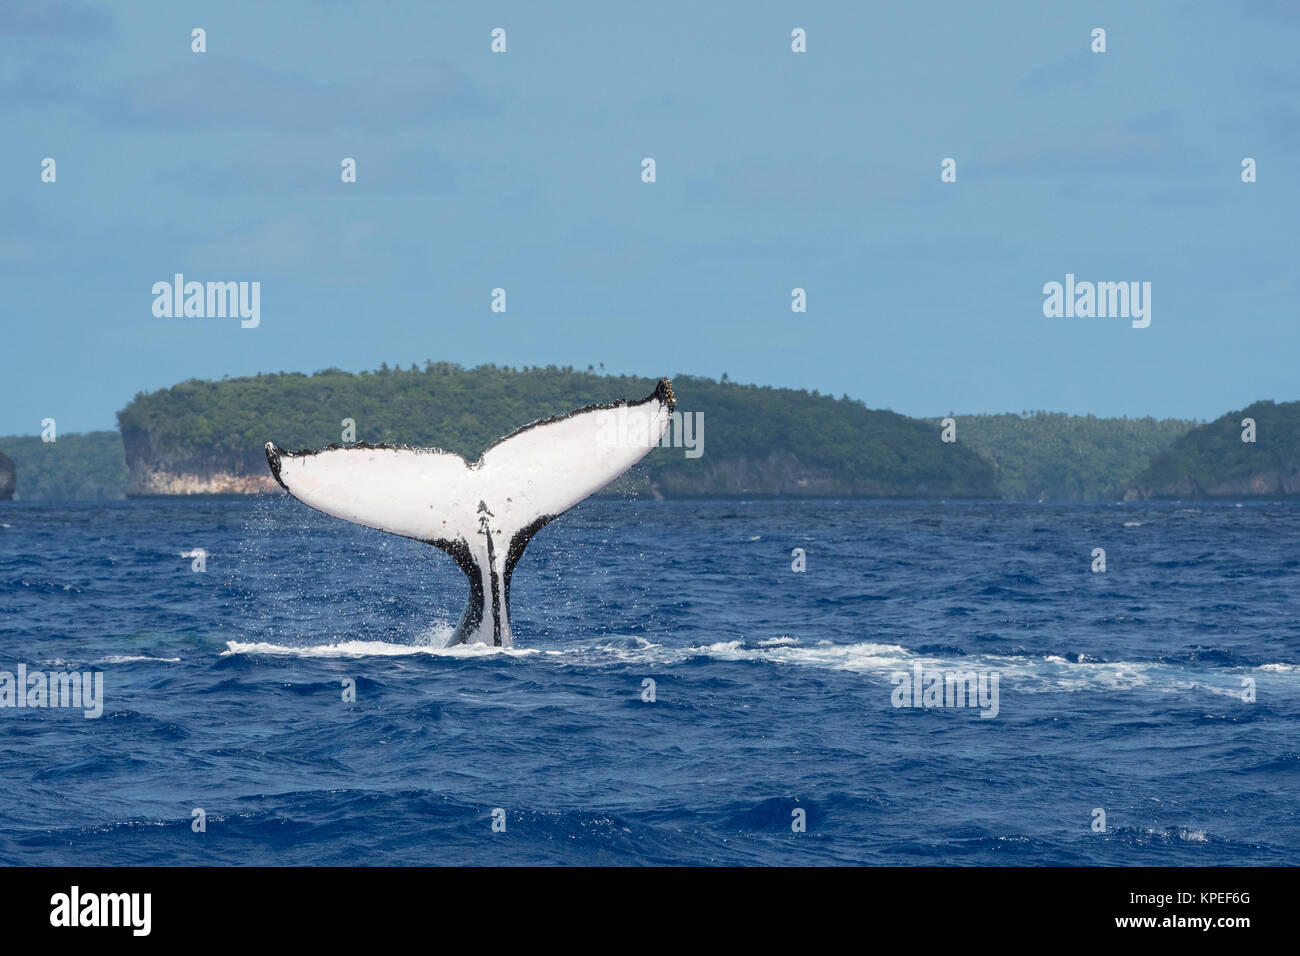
482, 513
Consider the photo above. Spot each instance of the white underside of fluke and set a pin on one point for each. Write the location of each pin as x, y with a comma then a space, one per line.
481, 513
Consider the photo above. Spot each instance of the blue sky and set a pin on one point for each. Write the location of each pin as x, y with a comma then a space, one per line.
775, 170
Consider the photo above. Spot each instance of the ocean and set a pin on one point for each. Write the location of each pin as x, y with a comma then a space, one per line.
679, 694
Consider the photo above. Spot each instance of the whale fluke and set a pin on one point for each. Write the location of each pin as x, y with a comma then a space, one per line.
483, 513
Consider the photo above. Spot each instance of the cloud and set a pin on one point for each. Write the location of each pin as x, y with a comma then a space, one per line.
1283, 9
209, 91
1283, 127
358, 252
18, 249
1141, 145
53, 18
831, 183
300, 170
1081, 69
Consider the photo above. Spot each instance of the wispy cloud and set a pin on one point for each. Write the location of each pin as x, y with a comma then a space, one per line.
295, 169
299, 247
37, 19
212, 91
1080, 70
830, 183
1137, 146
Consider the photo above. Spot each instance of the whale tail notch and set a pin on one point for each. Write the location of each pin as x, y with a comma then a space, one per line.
482, 513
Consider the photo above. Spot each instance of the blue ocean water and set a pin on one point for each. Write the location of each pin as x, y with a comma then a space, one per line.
774, 690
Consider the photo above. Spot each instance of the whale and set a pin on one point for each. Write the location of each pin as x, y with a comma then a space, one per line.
481, 513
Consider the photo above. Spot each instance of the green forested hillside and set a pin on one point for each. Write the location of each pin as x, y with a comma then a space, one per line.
1212, 461
76, 466
757, 440
1052, 456
6, 477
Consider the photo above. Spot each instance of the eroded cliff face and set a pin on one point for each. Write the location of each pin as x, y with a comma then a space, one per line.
150, 472
1282, 481
157, 482
8, 478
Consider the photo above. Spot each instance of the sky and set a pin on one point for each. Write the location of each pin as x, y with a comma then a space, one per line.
774, 170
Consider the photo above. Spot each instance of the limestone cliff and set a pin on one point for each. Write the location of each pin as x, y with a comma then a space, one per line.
151, 471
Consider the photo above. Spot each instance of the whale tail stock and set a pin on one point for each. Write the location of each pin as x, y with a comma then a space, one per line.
482, 513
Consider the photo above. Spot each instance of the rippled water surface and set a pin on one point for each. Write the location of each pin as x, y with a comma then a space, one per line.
774, 690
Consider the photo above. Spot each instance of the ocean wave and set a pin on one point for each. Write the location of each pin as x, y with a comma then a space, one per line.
1027, 673
356, 648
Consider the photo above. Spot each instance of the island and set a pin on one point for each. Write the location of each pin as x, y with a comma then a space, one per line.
205, 437
728, 441
1251, 453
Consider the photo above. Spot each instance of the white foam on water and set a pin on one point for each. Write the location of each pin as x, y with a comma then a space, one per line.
434, 644
128, 658
372, 649
1027, 674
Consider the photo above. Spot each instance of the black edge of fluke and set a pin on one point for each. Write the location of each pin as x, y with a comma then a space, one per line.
663, 392
273, 452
